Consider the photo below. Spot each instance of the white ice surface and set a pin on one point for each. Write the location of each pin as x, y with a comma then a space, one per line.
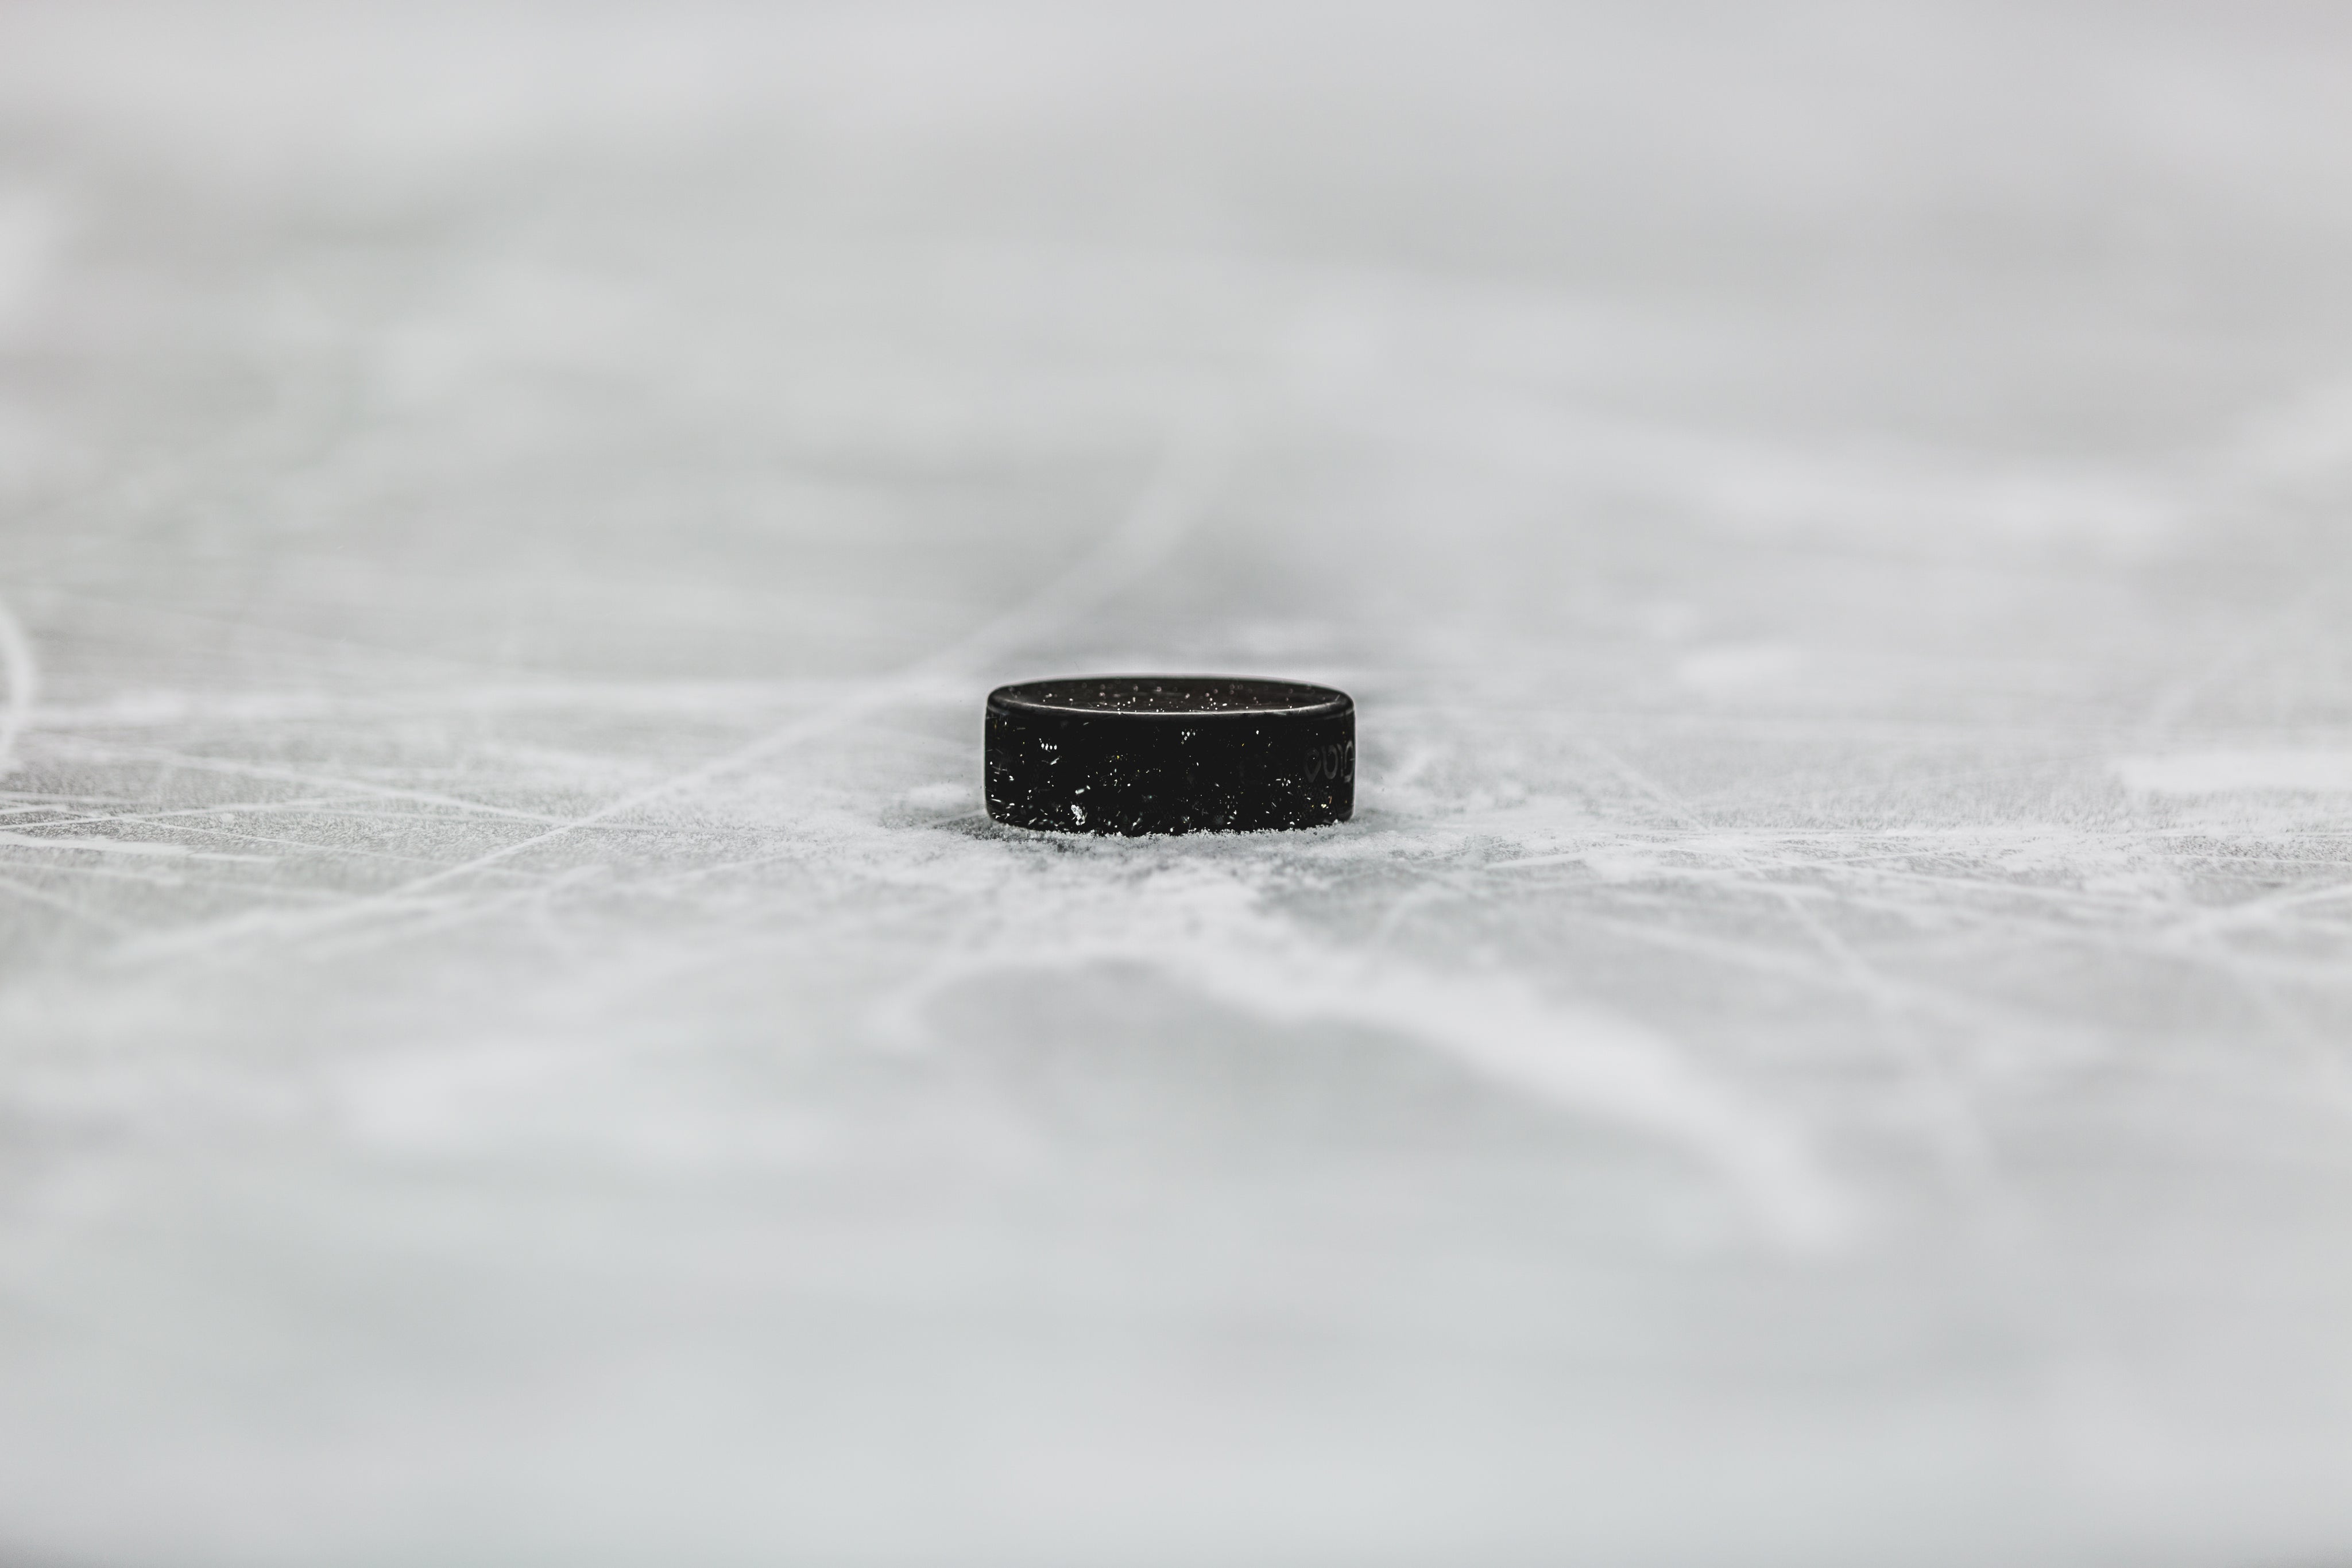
1828, 1042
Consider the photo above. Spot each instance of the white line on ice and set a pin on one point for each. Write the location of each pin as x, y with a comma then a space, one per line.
122, 847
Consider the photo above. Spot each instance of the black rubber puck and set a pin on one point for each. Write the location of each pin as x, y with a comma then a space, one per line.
1169, 754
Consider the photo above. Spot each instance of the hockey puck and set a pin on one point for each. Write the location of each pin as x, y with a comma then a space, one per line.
1169, 754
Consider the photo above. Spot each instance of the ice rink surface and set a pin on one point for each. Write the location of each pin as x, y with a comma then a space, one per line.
1828, 1042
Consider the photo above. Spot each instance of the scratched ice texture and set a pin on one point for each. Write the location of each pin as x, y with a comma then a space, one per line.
1825, 1044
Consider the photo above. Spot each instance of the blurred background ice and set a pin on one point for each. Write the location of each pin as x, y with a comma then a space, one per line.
1828, 1042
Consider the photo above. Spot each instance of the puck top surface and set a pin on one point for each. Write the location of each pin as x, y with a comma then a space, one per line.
1172, 696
